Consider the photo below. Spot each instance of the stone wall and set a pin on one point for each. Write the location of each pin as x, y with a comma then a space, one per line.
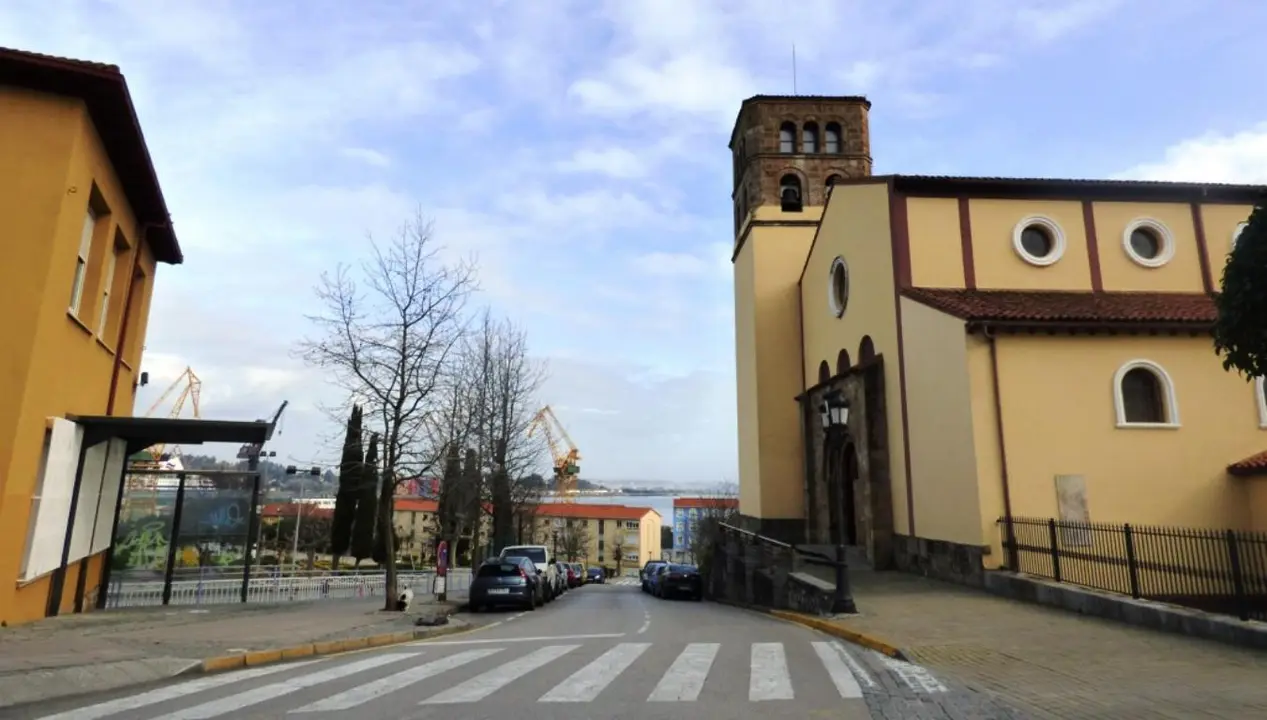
939, 559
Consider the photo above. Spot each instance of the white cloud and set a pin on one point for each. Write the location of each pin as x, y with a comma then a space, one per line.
612, 162
367, 156
1240, 157
670, 264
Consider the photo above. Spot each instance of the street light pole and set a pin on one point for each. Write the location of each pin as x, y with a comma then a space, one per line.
299, 510
834, 411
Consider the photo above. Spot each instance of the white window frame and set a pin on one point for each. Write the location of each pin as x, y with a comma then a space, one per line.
81, 260
1164, 255
1260, 402
836, 304
112, 259
1168, 397
1058, 242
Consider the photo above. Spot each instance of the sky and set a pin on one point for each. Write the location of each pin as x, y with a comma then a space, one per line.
577, 150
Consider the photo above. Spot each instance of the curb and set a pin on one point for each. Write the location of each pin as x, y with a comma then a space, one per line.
255, 658
834, 629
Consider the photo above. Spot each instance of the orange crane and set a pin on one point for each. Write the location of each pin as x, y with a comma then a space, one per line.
192, 394
566, 457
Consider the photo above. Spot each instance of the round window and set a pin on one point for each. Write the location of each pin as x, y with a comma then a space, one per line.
1038, 240
1145, 243
838, 287
1148, 243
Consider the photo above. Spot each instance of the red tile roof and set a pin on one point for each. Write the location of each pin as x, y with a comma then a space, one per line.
415, 504
1252, 465
705, 502
1194, 310
307, 510
592, 511
105, 93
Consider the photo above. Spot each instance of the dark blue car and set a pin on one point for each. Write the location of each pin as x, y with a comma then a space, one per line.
595, 575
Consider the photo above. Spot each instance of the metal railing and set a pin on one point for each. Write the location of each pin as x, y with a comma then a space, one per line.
1219, 571
275, 587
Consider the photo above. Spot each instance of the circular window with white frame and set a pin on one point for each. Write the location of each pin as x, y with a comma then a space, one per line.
1038, 240
838, 286
1148, 242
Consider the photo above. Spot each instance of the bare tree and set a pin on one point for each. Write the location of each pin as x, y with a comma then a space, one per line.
389, 346
618, 552
705, 529
574, 542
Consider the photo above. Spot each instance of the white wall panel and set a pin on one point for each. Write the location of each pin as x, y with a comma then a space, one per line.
89, 499
109, 495
52, 512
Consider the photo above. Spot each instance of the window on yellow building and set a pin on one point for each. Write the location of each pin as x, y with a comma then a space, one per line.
1145, 396
112, 261
81, 260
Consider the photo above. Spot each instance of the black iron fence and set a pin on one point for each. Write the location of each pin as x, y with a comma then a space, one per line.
1219, 571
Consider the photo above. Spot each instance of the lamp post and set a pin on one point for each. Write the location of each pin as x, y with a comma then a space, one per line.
834, 413
299, 509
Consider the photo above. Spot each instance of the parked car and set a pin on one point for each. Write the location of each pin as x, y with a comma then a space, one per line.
540, 557
510, 580
674, 580
595, 575
647, 570
579, 570
565, 581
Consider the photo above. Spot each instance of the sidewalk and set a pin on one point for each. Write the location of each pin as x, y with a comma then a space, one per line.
1053, 663
75, 654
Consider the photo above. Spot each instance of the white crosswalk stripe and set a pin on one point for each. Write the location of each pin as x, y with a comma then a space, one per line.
771, 670
624, 581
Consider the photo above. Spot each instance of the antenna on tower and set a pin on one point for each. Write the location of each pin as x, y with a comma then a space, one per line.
793, 68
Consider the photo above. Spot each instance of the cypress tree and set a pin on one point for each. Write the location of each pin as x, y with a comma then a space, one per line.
346, 497
1240, 333
366, 503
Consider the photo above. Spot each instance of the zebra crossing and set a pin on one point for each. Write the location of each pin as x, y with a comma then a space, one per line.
847, 672
625, 581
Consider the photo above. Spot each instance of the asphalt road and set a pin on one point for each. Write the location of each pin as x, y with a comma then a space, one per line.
598, 652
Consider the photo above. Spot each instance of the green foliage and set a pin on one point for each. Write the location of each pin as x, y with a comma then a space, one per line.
1240, 334
364, 526
346, 499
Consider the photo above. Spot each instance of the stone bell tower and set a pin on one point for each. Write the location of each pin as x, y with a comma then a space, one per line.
787, 151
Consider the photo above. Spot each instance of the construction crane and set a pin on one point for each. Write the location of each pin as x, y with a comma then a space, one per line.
192, 394
566, 458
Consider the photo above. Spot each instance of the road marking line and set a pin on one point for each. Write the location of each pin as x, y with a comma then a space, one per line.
362, 694
770, 679
915, 677
859, 671
481, 686
646, 623
585, 684
685, 677
486, 641
841, 675
235, 703
173, 692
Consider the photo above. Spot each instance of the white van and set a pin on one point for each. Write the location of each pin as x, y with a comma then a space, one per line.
540, 556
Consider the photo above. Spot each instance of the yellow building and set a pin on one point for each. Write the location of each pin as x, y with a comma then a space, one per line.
1007, 348
86, 228
618, 537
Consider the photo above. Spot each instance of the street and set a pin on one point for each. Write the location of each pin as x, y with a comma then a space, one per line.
596, 652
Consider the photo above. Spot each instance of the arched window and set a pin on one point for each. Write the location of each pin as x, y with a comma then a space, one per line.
824, 372
842, 361
1143, 395
866, 350
790, 193
832, 139
809, 138
787, 138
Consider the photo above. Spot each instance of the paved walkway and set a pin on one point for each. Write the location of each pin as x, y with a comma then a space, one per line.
115, 648
1056, 664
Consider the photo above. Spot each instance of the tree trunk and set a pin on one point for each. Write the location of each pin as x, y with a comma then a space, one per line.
387, 512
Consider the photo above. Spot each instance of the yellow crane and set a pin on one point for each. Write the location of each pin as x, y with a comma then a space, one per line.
191, 393
566, 457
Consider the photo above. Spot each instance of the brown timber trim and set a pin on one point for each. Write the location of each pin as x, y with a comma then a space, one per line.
766, 223
1203, 248
965, 245
899, 235
1087, 327
1093, 246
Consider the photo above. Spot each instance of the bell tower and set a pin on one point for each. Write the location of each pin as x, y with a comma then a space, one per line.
787, 152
